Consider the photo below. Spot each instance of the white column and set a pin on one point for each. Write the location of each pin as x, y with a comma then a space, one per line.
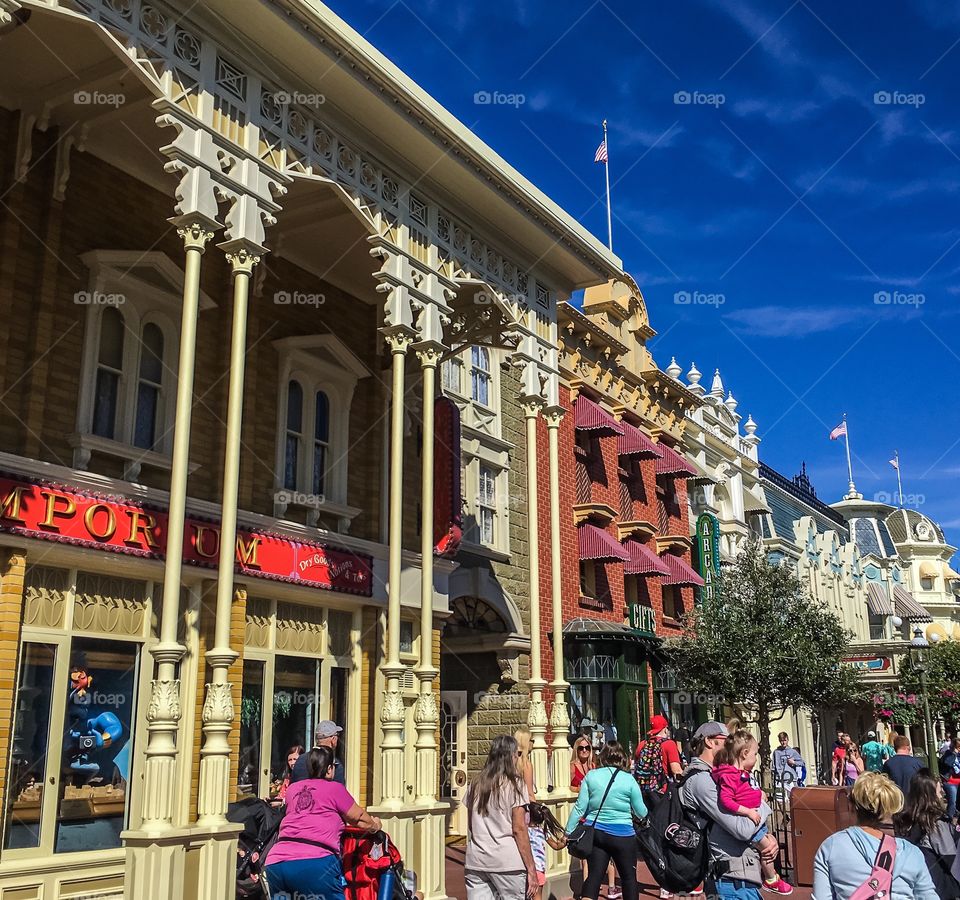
391, 712
559, 718
537, 714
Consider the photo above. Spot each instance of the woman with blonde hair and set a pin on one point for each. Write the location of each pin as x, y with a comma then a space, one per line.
538, 841
846, 860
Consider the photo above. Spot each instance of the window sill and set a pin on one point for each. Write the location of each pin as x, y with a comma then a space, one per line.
484, 550
85, 445
315, 506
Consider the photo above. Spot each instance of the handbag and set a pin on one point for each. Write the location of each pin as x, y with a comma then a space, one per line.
580, 840
879, 881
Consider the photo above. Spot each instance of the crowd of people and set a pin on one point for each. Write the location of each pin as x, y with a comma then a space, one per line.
903, 845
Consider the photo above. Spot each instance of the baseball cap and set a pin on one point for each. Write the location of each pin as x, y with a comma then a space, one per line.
711, 729
325, 729
657, 724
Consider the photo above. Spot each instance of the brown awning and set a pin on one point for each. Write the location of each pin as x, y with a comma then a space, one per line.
643, 561
590, 417
929, 569
680, 572
595, 543
633, 442
753, 504
878, 603
672, 464
908, 608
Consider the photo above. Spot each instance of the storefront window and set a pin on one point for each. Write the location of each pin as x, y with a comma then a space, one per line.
251, 719
296, 699
28, 755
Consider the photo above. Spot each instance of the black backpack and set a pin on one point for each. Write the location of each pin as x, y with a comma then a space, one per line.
260, 822
674, 842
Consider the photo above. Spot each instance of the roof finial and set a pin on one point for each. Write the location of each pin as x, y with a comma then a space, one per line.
731, 402
716, 389
673, 370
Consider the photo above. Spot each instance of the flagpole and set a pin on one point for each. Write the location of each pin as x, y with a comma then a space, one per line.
896, 456
606, 167
846, 440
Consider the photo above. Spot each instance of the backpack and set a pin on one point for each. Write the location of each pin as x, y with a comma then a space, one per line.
648, 768
880, 879
260, 822
674, 842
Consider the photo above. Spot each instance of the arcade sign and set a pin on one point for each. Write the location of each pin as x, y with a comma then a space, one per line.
708, 553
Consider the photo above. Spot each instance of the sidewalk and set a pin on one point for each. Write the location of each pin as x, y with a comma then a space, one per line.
648, 888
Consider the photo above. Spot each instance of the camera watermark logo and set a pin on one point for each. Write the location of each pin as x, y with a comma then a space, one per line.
99, 98
297, 498
698, 298
98, 298
699, 98
499, 98
298, 298
893, 499
898, 298
109, 700
899, 98
298, 98
711, 701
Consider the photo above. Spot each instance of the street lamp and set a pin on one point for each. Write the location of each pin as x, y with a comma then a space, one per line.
918, 645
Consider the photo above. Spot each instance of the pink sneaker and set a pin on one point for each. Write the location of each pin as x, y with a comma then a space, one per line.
778, 887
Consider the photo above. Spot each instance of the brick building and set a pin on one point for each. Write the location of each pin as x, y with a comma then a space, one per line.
626, 559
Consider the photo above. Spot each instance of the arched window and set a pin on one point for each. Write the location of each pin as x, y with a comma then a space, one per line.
480, 375
321, 442
291, 464
149, 387
451, 373
109, 373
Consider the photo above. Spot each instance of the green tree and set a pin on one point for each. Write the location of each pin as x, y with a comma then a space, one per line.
764, 644
941, 663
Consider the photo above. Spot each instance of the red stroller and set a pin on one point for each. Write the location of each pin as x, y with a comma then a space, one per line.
373, 868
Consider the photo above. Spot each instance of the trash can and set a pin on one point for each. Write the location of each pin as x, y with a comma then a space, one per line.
815, 814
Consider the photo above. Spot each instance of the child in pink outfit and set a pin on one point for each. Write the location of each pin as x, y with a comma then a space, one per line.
737, 796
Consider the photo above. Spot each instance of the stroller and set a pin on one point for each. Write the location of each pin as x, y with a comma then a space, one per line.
260, 822
373, 868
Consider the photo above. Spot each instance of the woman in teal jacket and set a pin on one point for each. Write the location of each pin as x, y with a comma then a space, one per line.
614, 836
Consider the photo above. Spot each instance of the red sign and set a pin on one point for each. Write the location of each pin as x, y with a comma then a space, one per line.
55, 513
447, 499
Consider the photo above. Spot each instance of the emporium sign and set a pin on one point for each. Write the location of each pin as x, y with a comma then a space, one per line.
708, 547
55, 513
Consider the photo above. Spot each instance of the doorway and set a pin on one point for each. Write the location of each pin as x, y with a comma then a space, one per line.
453, 758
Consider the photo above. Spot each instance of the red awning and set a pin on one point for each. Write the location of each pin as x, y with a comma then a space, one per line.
643, 561
673, 464
595, 543
633, 442
590, 417
680, 571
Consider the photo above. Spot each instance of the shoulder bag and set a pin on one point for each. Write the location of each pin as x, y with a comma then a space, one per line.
580, 840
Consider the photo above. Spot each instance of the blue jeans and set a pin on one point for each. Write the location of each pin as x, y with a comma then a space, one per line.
306, 879
760, 834
950, 792
736, 888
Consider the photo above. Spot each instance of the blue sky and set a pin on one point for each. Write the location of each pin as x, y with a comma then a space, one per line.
805, 197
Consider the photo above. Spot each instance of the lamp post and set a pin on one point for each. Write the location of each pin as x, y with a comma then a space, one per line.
917, 646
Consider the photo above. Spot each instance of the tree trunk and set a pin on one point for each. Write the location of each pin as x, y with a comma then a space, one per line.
763, 726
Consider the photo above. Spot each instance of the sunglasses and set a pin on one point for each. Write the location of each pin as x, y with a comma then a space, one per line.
583, 748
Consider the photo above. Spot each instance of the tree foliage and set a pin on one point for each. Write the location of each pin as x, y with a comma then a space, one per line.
941, 663
764, 644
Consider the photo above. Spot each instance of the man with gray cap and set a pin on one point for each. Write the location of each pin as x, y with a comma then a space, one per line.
735, 858
326, 734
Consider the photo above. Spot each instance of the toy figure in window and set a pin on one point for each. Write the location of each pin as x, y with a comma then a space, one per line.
95, 737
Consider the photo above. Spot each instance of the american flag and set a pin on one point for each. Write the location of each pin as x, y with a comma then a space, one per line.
601, 155
840, 431
895, 462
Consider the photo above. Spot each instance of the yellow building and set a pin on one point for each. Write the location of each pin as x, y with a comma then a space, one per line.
233, 258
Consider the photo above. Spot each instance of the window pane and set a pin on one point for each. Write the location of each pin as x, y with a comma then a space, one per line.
319, 468
31, 731
480, 387
451, 374
291, 462
251, 727
151, 354
339, 679
111, 338
486, 526
294, 407
105, 403
145, 426
480, 357
97, 744
295, 704
321, 428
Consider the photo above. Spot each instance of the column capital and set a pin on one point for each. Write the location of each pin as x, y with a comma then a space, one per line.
429, 353
532, 406
553, 415
195, 230
399, 338
242, 255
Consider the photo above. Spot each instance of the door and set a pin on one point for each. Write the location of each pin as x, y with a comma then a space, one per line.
453, 758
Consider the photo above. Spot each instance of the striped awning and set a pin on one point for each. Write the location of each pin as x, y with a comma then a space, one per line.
595, 543
590, 417
929, 569
948, 573
878, 603
633, 442
753, 504
643, 561
673, 464
702, 476
680, 571
908, 608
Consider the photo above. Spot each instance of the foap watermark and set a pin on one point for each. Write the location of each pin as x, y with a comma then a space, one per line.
499, 98
711, 701
98, 298
298, 98
698, 298
298, 298
898, 298
99, 98
296, 498
699, 98
109, 700
899, 98
891, 498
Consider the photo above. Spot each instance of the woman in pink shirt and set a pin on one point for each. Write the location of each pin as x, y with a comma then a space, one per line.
305, 860
737, 796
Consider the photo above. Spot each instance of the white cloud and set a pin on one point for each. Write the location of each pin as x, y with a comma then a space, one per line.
780, 113
792, 321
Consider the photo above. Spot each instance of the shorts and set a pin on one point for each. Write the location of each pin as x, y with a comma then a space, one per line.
760, 834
